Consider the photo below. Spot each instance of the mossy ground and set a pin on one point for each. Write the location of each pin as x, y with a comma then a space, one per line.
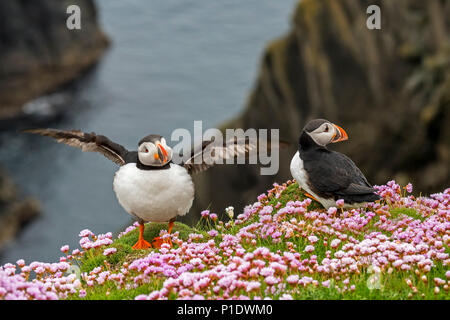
389, 285
125, 252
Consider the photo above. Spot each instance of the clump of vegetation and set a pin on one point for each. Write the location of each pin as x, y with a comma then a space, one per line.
284, 246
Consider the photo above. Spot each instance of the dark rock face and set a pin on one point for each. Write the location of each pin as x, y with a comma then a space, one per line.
15, 211
38, 53
389, 88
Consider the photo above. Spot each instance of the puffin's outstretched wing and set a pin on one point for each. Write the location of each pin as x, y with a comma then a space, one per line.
88, 142
210, 153
333, 172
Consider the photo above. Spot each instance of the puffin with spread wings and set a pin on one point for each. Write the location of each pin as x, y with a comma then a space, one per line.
148, 184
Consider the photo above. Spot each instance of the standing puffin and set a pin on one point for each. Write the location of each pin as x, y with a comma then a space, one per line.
148, 185
327, 175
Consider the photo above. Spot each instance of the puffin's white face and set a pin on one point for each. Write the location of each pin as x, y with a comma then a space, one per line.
155, 154
328, 133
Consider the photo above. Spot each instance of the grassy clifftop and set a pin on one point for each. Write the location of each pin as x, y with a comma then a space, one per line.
284, 246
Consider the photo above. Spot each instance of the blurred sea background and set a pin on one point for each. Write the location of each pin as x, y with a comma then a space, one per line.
169, 63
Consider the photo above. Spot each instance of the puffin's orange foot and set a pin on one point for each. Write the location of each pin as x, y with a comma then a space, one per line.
142, 244
310, 196
158, 242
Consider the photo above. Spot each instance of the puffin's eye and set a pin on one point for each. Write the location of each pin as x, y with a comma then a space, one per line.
145, 150
326, 129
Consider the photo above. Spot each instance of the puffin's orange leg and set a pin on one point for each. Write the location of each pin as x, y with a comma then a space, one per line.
141, 243
157, 242
311, 196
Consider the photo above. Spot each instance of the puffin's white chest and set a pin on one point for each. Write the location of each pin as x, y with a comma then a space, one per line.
154, 195
300, 175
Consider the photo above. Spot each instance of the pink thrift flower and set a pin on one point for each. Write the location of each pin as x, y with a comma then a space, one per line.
262, 197
109, 251
204, 213
409, 188
265, 272
65, 249
85, 233
253, 286
332, 211
213, 233
292, 279
20, 263
313, 239
271, 280
335, 243
309, 248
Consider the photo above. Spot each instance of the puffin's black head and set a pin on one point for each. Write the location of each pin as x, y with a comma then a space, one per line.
323, 132
153, 151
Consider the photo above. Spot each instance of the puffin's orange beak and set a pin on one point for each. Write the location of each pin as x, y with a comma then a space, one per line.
341, 136
164, 157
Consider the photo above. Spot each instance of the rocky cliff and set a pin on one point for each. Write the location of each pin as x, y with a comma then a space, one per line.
15, 210
38, 55
389, 88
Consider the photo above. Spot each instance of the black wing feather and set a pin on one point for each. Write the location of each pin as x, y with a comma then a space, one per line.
87, 142
334, 173
210, 153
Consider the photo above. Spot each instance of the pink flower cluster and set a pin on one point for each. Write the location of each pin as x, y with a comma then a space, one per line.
91, 241
353, 241
275, 248
51, 281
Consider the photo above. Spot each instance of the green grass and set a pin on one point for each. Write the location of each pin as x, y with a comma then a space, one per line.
109, 291
125, 243
392, 285
125, 253
398, 212
294, 193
